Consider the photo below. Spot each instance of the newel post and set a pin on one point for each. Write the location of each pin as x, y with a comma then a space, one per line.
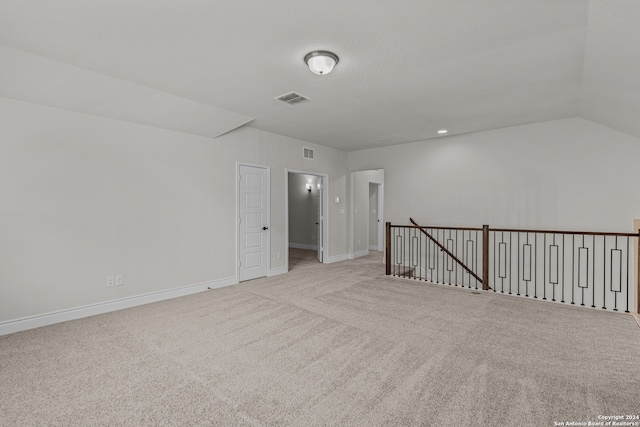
485, 257
387, 249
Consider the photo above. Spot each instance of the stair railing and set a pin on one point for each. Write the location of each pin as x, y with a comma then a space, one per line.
593, 269
453, 257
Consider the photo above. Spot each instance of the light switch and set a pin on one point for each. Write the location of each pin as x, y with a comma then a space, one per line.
337, 200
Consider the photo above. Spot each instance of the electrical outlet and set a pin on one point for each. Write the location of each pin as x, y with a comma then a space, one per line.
119, 280
278, 255
111, 281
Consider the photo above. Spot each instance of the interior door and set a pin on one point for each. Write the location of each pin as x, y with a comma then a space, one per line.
254, 222
320, 221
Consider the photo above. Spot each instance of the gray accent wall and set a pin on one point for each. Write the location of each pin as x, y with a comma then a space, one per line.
303, 211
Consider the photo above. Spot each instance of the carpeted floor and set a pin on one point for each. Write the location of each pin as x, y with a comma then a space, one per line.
337, 344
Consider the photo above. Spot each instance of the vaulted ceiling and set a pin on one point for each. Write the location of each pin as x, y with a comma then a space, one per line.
407, 68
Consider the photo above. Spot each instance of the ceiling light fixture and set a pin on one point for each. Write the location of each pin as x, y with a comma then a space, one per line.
321, 62
442, 131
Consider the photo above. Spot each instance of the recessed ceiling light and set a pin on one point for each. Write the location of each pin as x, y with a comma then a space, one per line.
442, 131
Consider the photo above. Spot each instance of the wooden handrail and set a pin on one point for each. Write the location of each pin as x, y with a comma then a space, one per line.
579, 233
448, 252
442, 228
524, 230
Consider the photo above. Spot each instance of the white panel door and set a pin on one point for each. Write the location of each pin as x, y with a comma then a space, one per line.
254, 226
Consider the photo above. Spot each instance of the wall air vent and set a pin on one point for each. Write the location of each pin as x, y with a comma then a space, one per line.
292, 98
307, 153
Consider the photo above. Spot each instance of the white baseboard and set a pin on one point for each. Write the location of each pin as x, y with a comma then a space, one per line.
361, 253
277, 271
303, 246
37, 321
336, 258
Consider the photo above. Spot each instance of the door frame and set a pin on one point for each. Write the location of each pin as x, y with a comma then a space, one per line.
268, 215
324, 179
380, 208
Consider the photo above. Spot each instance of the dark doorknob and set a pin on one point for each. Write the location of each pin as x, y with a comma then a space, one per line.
265, 228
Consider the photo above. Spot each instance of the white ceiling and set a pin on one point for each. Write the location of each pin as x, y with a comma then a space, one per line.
407, 68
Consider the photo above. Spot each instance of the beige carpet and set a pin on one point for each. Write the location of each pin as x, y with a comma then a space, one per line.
337, 344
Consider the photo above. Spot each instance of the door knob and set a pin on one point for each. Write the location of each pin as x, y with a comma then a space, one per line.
265, 228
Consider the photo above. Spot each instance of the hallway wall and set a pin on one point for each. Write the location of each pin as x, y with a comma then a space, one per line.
303, 211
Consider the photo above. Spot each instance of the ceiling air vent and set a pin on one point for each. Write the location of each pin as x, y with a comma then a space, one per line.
292, 98
308, 153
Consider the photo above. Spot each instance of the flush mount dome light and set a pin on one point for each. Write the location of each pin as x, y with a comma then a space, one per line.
321, 62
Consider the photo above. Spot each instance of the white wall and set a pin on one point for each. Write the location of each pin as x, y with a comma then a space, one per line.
85, 197
303, 211
570, 174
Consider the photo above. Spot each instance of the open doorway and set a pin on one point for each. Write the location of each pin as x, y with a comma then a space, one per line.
367, 216
376, 227
306, 218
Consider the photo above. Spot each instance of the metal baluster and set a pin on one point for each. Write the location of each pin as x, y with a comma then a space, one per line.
510, 260
420, 255
544, 267
428, 261
604, 272
440, 239
455, 252
573, 268
615, 293
519, 263
495, 260
554, 239
593, 275
404, 258
476, 250
627, 309
464, 258
535, 260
